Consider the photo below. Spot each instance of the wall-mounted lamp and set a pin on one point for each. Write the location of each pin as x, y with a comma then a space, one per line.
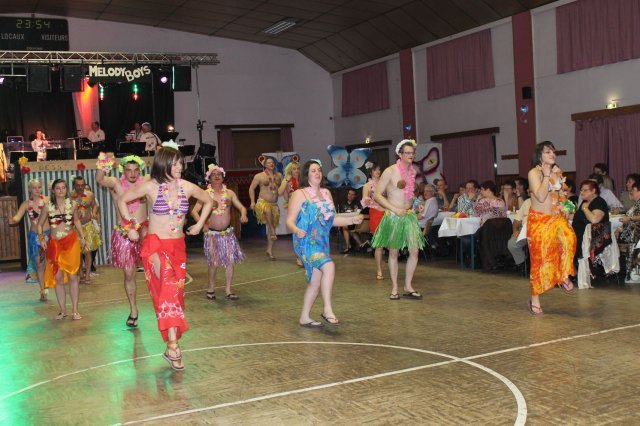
612, 104
367, 140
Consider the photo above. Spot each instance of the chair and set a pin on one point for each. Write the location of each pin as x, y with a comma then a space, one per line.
493, 238
610, 258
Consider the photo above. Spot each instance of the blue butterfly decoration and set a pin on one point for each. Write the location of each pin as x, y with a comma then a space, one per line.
346, 172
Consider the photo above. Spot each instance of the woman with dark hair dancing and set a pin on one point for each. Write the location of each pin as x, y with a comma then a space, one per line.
310, 217
552, 242
163, 252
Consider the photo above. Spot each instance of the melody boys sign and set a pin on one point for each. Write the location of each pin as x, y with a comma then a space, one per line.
119, 73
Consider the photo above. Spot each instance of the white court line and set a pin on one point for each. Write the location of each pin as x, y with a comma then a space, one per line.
467, 360
145, 296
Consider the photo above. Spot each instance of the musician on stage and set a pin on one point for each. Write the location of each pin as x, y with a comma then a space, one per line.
150, 139
96, 134
39, 145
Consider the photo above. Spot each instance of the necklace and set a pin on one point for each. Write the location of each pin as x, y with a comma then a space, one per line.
293, 184
134, 205
82, 203
273, 187
56, 219
223, 204
32, 212
175, 214
408, 181
325, 207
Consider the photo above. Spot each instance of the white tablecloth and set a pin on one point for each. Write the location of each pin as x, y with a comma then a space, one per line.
458, 227
441, 216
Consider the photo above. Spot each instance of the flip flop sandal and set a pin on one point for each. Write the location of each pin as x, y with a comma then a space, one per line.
412, 295
132, 322
231, 296
211, 295
394, 296
312, 324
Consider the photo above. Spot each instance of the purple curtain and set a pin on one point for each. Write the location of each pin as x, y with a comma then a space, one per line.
460, 66
225, 149
467, 158
286, 139
590, 33
624, 155
365, 90
591, 144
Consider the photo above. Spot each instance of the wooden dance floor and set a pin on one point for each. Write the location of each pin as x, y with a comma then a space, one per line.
468, 353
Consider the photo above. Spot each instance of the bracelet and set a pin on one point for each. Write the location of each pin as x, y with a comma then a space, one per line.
547, 176
129, 224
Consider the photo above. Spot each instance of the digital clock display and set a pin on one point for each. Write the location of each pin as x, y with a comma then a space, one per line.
33, 34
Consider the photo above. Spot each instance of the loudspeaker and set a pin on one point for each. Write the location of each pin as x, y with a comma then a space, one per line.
526, 92
38, 78
181, 78
71, 78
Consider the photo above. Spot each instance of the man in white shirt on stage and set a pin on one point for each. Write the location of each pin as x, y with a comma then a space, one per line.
96, 134
150, 139
39, 145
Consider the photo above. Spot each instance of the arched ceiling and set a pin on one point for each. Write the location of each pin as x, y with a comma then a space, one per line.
335, 34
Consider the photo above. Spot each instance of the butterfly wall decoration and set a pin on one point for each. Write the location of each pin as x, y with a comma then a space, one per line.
347, 166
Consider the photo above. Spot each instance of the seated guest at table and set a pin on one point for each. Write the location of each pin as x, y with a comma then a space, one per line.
509, 196
441, 193
453, 205
602, 169
516, 248
630, 231
625, 197
96, 134
606, 194
593, 210
489, 206
427, 210
521, 189
39, 145
467, 201
350, 206
151, 140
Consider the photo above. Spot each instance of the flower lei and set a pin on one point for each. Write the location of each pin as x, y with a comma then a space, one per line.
293, 184
558, 190
130, 159
134, 205
408, 181
104, 162
82, 202
223, 204
272, 181
67, 215
326, 209
173, 205
32, 210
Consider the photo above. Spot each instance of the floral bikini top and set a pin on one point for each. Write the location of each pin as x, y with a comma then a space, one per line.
32, 212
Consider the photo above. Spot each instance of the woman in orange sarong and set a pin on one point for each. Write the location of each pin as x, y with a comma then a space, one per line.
552, 242
163, 252
63, 247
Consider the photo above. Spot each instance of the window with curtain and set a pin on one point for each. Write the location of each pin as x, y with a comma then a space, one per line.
469, 157
611, 140
590, 33
365, 90
460, 66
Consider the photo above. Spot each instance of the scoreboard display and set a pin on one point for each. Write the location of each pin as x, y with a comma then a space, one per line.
33, 34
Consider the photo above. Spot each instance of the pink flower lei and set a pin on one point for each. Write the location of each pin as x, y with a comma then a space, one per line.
409, 178
224, 200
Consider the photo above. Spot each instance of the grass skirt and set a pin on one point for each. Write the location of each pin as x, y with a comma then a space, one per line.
124, 252
92, 236
395, 232
261, 212
221, 248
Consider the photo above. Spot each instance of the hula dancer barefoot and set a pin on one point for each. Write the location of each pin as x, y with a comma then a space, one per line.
310, 216
552, 242
125, 254
33, 209
266, 208
399, 227
163, 252
221, 246
86, 207
63, 246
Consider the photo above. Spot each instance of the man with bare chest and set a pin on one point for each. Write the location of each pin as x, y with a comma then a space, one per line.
266, 208
125, 254
86, 205
399, 227
221, 246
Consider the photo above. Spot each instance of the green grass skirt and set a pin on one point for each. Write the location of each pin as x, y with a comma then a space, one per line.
397, 232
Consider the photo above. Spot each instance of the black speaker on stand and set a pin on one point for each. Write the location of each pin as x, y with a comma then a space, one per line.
38, 78
72, 78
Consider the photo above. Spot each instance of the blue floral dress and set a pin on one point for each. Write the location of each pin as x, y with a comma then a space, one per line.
315, 218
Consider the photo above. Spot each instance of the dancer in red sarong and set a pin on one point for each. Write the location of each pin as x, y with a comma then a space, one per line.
163, 250
552, 242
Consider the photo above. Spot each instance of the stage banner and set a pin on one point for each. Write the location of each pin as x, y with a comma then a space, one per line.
119, 73
428, 162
